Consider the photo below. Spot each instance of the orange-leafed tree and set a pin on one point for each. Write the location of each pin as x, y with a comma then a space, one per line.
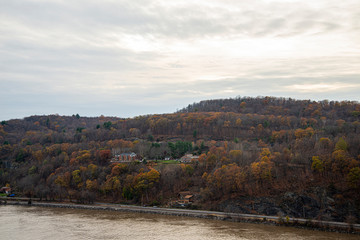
226, 180
261, 169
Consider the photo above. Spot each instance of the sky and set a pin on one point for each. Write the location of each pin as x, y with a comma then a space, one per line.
129, 58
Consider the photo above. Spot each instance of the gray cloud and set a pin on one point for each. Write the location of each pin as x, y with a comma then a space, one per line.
186, 20
128, 58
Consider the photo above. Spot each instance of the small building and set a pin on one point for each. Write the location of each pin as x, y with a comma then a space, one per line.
184, 198
183, 194
125, 157
188, 158
188, 199
6, 190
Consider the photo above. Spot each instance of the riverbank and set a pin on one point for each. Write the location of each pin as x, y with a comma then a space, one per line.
235, 217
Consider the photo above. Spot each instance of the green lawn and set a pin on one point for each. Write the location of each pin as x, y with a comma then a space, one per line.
168, 161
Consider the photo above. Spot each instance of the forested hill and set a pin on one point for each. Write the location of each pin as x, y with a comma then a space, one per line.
267, 155
346, 110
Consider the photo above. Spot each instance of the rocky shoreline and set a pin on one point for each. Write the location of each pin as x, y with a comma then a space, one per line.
225, 216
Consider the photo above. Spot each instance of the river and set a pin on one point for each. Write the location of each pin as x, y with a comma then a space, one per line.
21, 222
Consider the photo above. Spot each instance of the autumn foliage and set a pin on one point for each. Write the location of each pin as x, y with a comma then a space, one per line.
244, 147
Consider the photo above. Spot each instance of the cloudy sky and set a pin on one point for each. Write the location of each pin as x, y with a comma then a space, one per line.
128, 58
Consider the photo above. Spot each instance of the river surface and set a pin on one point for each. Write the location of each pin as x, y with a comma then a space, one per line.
21, 222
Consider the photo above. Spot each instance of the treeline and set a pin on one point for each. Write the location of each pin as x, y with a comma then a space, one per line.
346, 110
248, 148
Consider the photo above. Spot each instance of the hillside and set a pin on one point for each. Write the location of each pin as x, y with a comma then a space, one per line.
267, 155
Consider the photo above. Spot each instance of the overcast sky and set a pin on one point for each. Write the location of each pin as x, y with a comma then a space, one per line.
129, 58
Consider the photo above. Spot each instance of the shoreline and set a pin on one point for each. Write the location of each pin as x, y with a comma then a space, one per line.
234, 217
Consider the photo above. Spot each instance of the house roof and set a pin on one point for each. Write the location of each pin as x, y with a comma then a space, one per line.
5, 189
188, 196
189, 157
128, 154
185, 193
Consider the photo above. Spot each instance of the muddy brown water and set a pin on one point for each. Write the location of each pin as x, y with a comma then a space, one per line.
21, 222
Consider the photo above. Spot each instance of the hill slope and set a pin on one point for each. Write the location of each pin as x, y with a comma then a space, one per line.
260, 155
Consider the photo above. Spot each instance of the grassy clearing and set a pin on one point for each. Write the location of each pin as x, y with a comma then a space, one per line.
167, 161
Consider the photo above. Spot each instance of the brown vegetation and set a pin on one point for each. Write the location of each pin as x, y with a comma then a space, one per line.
249, 149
